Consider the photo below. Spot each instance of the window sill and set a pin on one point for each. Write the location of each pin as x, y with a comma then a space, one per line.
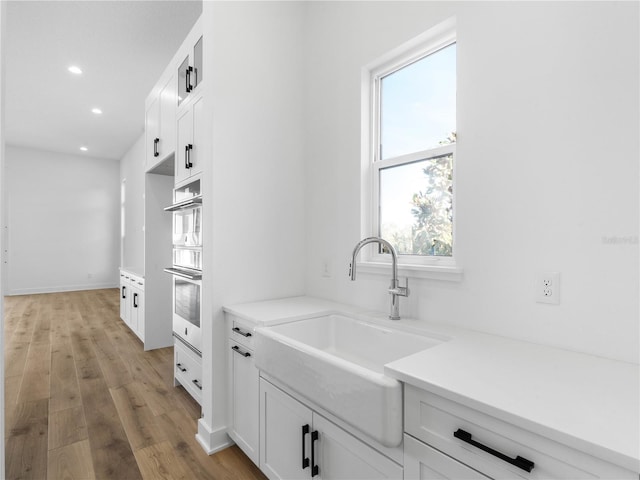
433, 272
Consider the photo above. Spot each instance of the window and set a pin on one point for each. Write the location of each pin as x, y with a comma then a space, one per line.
412, 150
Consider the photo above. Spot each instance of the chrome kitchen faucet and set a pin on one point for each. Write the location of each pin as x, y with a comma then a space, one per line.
394, 290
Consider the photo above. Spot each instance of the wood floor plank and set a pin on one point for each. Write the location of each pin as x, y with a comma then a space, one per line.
137, 418
66, 427
160, 462
71, 462
64, 389
35, 382
158, 396
15, 358
110, 449
22, 319
26, 446
11, 391
113, 368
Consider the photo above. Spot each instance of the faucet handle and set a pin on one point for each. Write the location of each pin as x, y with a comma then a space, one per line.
401, 291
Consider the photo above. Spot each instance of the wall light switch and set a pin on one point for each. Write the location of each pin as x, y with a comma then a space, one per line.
547, 287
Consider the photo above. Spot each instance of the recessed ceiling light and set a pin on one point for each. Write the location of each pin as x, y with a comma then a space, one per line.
84, 149
75, 70
97, 111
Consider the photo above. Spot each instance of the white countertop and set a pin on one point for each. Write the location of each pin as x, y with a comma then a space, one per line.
133, 270
586, 402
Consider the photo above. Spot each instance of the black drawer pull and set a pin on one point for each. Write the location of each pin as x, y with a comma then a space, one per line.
236, 349
305, 459
519, 462
197, 384
315, 469
180, 367
244, 334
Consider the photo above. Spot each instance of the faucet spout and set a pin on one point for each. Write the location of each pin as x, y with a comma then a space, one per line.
394, 289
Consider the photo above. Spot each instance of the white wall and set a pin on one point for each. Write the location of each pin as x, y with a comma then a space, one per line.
132, 168
63, 213
254, 202
547, 165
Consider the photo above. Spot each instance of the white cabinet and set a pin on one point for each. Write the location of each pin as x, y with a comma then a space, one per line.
160, 123
187, 369
125, 293
488, 445
132, 302
190, 135
244, 382
136, 318
296, 442
190, 73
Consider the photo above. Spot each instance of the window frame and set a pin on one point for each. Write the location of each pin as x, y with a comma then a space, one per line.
433, 40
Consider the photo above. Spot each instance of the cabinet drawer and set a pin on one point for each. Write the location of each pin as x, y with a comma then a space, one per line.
188, 370
421, 462
241, 332
434, 420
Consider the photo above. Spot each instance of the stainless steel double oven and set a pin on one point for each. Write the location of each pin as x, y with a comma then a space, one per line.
187, 265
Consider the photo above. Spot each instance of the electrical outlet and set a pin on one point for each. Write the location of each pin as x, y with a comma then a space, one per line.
547, 287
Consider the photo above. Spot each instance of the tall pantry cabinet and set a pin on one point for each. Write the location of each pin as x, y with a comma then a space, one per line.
173, 162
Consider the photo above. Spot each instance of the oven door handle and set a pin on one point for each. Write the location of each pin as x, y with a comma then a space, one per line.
183, 274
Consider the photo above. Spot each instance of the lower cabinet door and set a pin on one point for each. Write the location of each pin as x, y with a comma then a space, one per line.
298, 443
125, 302
282, 420
421, 462
245, 404
340, 456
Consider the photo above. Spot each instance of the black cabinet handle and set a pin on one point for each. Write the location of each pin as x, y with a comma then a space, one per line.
124, 292
135, 300
187, 156
180, 367
188, 79
236, 349
519, 462
155, 147
244, 334
305, 459
197, 384
315, 469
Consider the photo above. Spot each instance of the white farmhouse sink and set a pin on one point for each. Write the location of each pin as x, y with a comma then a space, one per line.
337, 362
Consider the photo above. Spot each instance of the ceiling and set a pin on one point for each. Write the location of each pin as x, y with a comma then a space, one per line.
122, 48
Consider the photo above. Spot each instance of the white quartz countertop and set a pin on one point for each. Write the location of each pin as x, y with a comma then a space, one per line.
139, 272
585, 402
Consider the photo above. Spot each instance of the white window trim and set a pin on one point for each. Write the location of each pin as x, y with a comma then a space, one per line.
434, 267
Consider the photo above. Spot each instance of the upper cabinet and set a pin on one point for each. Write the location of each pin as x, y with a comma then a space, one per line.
190, 136
190, 73
178, 89
160, 122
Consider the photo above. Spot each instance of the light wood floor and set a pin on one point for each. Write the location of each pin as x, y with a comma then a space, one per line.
84, 401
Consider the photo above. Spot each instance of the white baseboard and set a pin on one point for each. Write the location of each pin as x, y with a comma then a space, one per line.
58, 289
212, 441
